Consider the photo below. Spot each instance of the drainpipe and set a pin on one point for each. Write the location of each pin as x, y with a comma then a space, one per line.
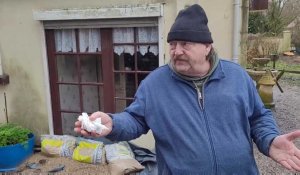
244, 33
1, 70
236, 31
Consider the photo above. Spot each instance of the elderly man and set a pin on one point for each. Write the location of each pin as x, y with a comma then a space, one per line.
204, 112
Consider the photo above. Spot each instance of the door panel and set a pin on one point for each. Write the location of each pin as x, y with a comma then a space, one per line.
69, 97
91, 69
68, 120
92, 98
66, 68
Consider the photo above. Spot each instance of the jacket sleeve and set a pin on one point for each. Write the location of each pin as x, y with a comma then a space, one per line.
130, 123
263, 125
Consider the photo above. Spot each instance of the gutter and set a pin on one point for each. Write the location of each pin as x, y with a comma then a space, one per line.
236, 31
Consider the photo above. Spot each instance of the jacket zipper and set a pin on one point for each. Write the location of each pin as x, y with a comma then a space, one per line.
200, 98
201, 104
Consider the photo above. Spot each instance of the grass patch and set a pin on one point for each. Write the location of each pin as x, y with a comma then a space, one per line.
291, 78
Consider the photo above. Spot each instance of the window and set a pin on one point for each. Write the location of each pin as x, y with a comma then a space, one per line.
135, 54
259, 4
97, 69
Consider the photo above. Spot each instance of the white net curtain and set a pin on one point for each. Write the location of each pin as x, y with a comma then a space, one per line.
144, 35
123, 35
65, 40
89, 39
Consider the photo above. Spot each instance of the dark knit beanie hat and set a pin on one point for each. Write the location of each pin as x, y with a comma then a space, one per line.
191, 25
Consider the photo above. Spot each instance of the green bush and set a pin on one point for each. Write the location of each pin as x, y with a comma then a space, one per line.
269, 22
257, 22
11, 134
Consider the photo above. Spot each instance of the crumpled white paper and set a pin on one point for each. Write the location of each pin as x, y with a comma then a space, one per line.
91, 126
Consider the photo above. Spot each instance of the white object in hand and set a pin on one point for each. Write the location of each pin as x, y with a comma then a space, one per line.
91, 126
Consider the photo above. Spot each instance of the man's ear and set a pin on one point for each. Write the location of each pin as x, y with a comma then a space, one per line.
208, 48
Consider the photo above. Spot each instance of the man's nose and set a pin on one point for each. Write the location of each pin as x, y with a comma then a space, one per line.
178, 49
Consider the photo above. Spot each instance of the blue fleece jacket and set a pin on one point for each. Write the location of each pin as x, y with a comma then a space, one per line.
212, 137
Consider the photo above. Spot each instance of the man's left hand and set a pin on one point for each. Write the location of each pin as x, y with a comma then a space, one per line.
284, 151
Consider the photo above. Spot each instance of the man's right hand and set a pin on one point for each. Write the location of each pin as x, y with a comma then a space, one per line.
105, 120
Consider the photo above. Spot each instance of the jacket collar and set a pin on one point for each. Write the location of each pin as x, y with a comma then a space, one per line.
217, 74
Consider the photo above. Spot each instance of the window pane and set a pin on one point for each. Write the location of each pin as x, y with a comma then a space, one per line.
147, 34
91, 68
120, 85
69, 97
124, 85
92, 98
68, 120
124, 62
124, 49
130, 85
121, 104
147, 62
144, 49
123, 35
66, 68
65, 40
141, 77
147, 54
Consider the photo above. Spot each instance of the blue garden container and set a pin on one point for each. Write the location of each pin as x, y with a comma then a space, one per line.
14, 155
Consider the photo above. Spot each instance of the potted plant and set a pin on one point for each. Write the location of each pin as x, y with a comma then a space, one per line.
16, 145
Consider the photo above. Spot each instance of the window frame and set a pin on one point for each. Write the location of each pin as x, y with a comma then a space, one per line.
133, 15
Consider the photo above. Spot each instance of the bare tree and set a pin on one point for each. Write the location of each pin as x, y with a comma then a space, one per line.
290, 10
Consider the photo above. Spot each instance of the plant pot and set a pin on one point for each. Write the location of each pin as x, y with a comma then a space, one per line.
14, 155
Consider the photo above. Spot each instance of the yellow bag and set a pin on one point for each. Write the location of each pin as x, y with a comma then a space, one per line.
88, 152
51, 147
57, 145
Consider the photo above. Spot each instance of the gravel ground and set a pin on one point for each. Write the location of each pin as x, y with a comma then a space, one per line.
71, 167
287, 115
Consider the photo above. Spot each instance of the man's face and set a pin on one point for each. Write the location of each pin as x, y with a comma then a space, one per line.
189, 58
